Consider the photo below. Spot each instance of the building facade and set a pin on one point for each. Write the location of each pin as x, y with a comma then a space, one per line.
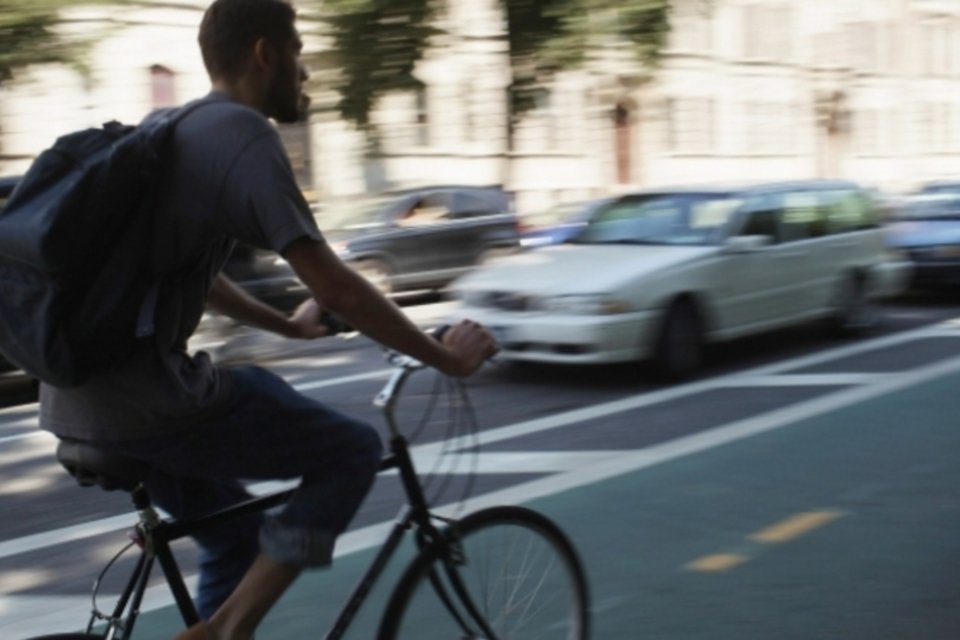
867, 90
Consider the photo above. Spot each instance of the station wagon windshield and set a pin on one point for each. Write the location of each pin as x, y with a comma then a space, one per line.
668, 219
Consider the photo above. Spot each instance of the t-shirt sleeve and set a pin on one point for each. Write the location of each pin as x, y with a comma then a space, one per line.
261, 203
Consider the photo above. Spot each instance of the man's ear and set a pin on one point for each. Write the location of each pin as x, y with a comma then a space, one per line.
264, 55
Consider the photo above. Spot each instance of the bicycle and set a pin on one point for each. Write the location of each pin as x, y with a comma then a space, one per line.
499, 573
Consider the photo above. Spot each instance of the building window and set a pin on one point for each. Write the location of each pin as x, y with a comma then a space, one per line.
938, 49
421, 117
868, 131
162, 87
475, 111
690, 27
768, 32
623, 135
691, 125
939, 127
769, 128
866, 47
403, 120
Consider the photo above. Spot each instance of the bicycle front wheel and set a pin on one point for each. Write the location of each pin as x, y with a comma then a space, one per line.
508, 573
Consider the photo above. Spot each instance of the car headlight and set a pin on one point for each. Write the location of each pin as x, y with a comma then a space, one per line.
593, 304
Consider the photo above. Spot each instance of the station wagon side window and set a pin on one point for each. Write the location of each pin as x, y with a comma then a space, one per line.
801, 216
762, 218
848, 210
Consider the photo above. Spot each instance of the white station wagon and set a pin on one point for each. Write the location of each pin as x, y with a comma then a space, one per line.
657, 275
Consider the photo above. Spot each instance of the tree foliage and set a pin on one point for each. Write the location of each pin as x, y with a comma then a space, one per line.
377, 43
28, 35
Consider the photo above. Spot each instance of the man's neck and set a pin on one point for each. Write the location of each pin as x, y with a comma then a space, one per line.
239, 92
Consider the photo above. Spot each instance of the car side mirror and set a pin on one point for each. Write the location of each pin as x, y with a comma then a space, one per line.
746, 244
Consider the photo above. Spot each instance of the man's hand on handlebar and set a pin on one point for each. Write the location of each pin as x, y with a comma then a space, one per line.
471, 344
468, 344
310, 320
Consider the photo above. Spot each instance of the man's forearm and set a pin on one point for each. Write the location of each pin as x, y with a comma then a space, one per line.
227, 298
354, 300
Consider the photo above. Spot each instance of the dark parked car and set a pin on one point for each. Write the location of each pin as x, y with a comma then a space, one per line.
925, 229
422, 238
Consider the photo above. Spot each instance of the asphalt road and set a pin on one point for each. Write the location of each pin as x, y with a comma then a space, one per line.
799, 488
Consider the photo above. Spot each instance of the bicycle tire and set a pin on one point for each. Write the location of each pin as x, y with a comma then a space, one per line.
520, 569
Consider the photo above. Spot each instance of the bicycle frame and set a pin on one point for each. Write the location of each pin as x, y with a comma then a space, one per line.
154, 536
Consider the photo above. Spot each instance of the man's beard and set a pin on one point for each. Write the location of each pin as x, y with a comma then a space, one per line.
286, 106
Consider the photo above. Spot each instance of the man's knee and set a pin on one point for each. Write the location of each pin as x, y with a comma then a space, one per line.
370, 446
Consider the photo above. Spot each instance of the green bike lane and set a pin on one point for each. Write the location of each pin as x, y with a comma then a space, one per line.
840, 525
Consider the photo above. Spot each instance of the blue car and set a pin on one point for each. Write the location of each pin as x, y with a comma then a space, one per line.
925, 229
941, 186
560, 223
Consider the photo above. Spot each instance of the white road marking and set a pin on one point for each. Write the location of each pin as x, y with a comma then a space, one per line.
425, 454
809, 379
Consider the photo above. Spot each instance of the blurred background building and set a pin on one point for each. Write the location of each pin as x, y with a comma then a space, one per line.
867, 90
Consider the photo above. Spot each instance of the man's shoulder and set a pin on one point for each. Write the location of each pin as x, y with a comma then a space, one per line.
212, 113
215, 110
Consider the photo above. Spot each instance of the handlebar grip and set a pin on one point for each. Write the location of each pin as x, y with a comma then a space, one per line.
334, 324
438, 332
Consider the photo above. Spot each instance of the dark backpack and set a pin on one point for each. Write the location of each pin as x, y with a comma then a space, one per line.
77, 283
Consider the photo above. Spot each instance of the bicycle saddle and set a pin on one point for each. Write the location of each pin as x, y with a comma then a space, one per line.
95, 467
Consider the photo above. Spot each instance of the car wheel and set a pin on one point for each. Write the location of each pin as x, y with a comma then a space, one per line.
678, 350
378, 273
854, 311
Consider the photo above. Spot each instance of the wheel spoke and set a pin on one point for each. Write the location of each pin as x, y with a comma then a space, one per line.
521, 574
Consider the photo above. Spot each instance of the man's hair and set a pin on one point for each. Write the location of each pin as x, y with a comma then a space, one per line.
231, 27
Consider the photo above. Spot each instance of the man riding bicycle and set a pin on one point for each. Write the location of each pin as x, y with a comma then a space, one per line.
199, 427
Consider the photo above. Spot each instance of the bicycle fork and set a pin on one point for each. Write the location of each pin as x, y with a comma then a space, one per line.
453, 556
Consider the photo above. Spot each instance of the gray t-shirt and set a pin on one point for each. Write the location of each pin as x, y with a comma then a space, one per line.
229, 179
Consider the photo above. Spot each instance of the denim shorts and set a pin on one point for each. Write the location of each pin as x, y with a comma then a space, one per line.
269, 431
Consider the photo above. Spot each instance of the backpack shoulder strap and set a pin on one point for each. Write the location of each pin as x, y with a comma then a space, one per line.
159, 133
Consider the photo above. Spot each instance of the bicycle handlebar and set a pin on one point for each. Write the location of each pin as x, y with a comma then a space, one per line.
404, 366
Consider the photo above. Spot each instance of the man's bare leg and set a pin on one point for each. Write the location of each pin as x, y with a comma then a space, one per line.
238, 617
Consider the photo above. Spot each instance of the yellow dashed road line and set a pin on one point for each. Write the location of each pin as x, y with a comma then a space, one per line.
783, 531
795, 526
717, 562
